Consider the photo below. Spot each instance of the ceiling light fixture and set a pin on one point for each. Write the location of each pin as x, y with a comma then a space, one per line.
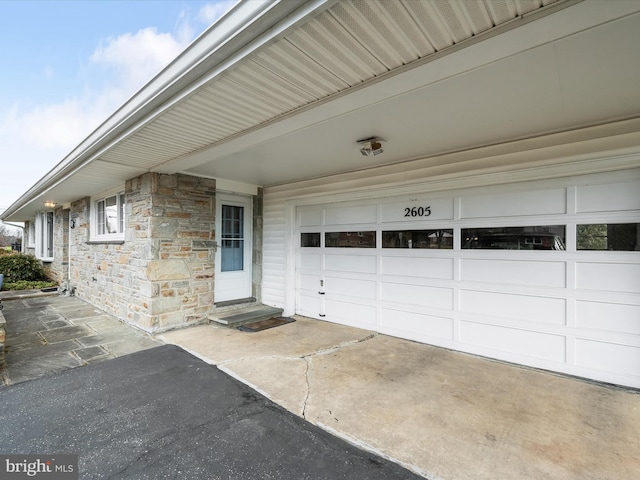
371, 146
49, 204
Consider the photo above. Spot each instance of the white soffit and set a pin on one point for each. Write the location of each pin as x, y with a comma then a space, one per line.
573, 69
347, 45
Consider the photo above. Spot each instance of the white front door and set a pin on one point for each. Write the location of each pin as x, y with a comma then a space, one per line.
233, 255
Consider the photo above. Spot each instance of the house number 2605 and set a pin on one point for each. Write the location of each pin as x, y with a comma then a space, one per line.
417, 211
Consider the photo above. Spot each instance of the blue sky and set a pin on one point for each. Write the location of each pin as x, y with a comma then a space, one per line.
67, 65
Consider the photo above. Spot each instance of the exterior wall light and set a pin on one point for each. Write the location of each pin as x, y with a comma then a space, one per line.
371, 146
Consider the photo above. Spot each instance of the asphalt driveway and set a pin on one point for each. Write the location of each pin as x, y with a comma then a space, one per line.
163, 413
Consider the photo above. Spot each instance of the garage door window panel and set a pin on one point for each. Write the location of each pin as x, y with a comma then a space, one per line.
350, 239
310, 240
431, 239
543, 237
622, 237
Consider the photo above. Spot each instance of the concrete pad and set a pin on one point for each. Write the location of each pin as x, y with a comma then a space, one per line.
444, 414
221, 345
461, 417
282, 380
271, 361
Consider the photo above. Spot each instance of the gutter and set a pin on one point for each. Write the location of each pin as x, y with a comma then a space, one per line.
14, 225
247, 26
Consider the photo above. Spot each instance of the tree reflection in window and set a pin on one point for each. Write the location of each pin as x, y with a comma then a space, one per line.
350, 239
436, 239
622, 237
542, 237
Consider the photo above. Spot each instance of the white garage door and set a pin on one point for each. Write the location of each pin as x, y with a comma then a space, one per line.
547, 277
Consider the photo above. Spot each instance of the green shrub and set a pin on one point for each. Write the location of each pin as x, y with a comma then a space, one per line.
19, 267
27, 285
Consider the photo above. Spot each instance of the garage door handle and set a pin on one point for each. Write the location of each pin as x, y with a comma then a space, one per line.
320, 293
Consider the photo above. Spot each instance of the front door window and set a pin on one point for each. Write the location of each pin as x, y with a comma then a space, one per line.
232, 238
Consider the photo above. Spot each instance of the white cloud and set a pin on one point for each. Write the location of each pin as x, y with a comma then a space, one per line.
55, 126
134, 59
187, 25
213, 11
31, 143
127, 63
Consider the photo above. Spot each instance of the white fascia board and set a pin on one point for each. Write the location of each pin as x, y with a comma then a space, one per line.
231, 186
248, 25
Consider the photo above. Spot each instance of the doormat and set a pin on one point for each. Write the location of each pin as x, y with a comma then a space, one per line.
264, 324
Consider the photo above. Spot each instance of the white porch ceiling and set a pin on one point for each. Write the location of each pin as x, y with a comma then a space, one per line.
428, 76
522, 83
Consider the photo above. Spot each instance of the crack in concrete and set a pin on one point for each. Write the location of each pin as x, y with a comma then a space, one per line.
307, 357
297, 357
342, 345
306, 379
261, 357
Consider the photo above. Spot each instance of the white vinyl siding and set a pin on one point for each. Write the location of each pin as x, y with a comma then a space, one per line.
274, 253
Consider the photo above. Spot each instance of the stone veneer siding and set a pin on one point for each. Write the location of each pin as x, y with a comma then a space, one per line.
161, 276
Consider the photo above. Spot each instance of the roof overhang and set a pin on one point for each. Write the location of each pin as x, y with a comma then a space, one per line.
280, 92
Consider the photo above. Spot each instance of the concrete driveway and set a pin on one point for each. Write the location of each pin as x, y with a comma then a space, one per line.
442, 414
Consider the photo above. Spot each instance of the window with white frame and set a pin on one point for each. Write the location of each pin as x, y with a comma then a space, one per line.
44, 236
107, 217
31, 234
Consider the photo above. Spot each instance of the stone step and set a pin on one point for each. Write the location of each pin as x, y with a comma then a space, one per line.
245, 315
